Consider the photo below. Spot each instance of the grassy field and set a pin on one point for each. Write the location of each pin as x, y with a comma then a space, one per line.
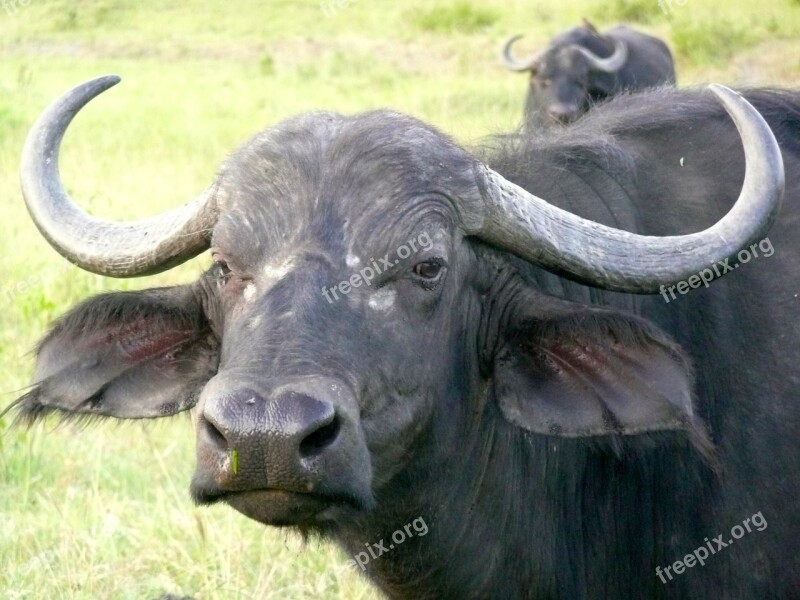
104, 512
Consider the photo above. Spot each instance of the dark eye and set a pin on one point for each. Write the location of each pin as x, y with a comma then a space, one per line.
430, 269
222, 271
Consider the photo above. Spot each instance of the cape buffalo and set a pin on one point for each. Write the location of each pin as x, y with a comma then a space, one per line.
513, 382
582, 66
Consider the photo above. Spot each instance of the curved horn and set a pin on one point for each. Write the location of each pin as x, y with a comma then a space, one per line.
609, 258
515, 65
613, 63
116, 249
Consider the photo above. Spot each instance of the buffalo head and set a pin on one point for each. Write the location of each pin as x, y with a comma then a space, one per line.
575, 69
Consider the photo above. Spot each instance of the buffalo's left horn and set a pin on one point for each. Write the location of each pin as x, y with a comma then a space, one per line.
609, 258
116, 249
516, 65
613, 63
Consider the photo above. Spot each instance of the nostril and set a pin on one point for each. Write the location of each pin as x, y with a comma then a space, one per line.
214, 435
321, 438
563, 112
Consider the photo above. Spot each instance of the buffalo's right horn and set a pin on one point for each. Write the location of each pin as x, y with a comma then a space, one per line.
515, 65
512, 218
116, 249
613, 63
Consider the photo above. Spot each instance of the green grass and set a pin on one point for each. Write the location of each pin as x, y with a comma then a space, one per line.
459, 17
714, 40
104, 512
630, 11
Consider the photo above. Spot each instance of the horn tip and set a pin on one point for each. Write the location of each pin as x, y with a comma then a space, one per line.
721, 90
109, 80
100, 84
728, 96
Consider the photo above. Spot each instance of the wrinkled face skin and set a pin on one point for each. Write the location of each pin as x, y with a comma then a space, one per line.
321, 385
561, 84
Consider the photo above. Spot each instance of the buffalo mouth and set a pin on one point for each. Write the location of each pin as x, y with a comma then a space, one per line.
280, 507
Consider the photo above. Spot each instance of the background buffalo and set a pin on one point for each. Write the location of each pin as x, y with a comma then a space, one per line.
583, 66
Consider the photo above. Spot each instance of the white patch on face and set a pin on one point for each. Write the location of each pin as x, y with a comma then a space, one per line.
275, 273
438, 237
352, 260
382, 300
254, 322
249, 292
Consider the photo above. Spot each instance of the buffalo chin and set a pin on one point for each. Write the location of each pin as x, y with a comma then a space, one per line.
277, 507
280, 508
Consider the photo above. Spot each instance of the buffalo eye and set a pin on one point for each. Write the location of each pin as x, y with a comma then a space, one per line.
222, 271
429, 271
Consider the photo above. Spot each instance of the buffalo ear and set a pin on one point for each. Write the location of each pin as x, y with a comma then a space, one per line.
588, 25
128, 355
573, 370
